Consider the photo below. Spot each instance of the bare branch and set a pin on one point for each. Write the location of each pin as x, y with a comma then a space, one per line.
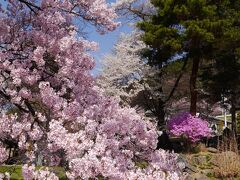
177, 81
30, 5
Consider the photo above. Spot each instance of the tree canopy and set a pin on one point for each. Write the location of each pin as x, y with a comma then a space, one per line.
188, 30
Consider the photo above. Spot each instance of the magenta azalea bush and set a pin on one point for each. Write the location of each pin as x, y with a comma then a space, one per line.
192, 127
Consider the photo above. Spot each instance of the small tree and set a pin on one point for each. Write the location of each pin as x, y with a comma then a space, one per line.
124, 68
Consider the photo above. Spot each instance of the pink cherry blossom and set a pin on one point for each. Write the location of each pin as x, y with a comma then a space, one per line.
53, 105
3, 154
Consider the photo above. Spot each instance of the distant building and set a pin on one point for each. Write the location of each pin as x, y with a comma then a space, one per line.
217, 123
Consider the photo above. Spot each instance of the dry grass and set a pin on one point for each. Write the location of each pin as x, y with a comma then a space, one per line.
228, 161
228, 143
227, 165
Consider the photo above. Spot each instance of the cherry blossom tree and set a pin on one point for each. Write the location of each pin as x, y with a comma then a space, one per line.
134, 9
124, 68
54, 109
127, 76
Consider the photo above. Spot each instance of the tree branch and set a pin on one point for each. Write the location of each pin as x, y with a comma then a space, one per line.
33, 113
9, 99
30, 5
177, 81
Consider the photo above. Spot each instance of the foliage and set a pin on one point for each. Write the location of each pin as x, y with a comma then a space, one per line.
15, 171
188, 126
63, 118
221, 76
127, 76
188, 30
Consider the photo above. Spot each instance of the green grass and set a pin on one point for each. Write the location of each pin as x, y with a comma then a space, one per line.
15, 171
142, 164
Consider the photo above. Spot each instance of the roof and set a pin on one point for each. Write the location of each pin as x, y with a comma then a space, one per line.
217, 118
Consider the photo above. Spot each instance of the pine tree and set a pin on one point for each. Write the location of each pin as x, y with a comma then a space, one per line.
222, 76
190, 30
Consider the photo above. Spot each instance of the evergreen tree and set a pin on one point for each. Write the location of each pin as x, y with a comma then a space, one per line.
222, 76
190, 30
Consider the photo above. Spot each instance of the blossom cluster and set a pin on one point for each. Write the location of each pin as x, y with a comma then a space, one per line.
5, 176
55, 111
124, 67
192, 127
30, 173
3, 154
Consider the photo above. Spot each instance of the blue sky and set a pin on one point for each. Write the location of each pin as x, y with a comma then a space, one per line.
106, 41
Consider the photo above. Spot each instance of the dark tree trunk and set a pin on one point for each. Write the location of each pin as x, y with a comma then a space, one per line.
164, 142
193, 90
233, 113
161, 114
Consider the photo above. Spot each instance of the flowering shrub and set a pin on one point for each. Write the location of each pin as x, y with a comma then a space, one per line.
191, 127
